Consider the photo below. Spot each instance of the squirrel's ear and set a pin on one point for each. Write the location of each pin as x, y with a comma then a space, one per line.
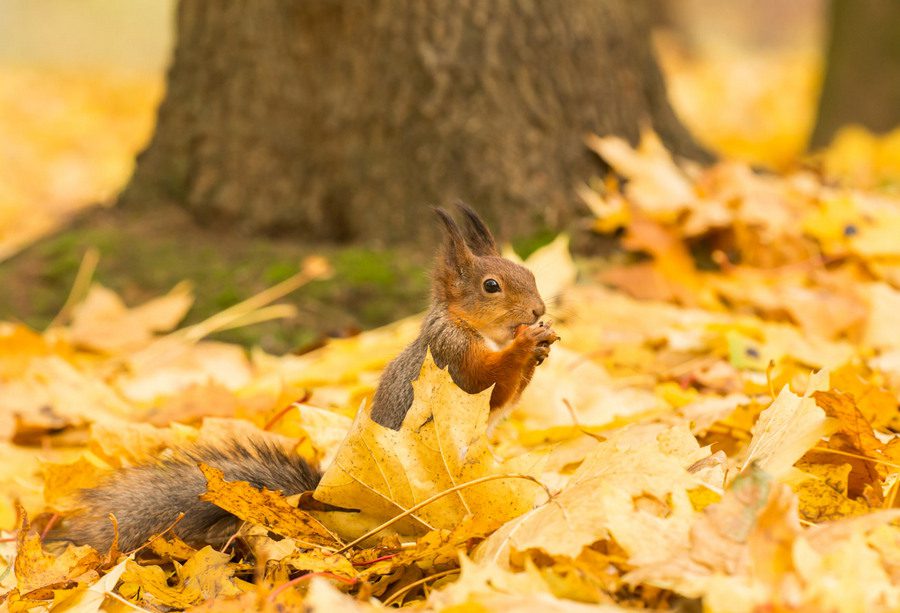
456, 251
478, 237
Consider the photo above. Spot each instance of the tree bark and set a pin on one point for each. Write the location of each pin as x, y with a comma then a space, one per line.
344, 120
862, 74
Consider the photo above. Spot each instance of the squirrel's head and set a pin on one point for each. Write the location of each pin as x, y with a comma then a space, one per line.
492, 294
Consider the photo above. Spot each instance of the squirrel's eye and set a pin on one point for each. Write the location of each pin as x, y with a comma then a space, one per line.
491, 286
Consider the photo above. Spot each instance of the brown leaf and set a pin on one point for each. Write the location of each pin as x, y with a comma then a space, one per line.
854, 435
878, 405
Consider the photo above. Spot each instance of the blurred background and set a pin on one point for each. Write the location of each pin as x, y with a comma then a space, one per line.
327, 128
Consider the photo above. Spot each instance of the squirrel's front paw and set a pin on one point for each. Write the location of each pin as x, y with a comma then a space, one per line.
542, 335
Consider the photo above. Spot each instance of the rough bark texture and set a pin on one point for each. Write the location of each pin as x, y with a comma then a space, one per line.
862, 77
344, 120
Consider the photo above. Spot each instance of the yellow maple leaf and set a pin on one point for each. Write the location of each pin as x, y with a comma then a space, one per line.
36, 570
718, 543
441, 444
570, 379
92, 598
63, 480
632, 487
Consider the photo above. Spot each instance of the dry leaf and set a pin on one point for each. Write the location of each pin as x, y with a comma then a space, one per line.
656, 184
62, 481
787, 429
38, 571
94, 598
883, 326
170, 365
265, 508
205, 575
631, 488
853, 434
102, 322
440, 444
718, 542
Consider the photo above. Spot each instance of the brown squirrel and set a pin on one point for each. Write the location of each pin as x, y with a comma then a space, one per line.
484, 326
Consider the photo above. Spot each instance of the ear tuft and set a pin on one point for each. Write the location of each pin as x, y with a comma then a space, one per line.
456, 252
477, 236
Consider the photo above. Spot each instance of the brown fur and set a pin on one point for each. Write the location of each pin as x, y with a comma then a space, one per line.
146, 499
483, 339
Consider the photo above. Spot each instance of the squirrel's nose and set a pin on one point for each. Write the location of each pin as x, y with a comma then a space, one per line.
538, 311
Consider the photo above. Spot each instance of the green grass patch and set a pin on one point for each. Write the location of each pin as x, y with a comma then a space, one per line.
369, 287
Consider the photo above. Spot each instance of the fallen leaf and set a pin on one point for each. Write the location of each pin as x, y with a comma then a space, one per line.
207, 574
38, 572
656, 184
63, 480
440, 445
102, 322
787, 429
883, 326
94, 598
630, 488
170, 365
265, 508
853, 434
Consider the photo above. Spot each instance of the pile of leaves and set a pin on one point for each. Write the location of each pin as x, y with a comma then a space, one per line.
717, 426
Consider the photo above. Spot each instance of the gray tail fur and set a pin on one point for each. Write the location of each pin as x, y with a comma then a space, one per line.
146, 499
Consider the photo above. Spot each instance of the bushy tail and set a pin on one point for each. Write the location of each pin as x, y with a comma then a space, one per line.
146, 499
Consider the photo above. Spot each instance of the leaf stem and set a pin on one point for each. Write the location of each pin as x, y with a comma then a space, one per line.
857, 456
403, 590
156, 536
80, 286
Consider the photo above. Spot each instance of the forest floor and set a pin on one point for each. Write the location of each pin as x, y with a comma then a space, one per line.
144, 257
717, 428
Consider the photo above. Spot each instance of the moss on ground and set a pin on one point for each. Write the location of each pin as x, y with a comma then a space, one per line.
141, 259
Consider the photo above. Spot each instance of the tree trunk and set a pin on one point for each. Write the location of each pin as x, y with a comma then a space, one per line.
344, 120
862, 74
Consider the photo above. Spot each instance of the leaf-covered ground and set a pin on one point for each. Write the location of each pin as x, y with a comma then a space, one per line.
716, 428
715, 431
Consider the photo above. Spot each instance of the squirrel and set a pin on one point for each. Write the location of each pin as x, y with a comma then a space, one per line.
484, 325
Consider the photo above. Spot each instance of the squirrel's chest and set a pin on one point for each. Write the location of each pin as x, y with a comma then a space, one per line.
490, 343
